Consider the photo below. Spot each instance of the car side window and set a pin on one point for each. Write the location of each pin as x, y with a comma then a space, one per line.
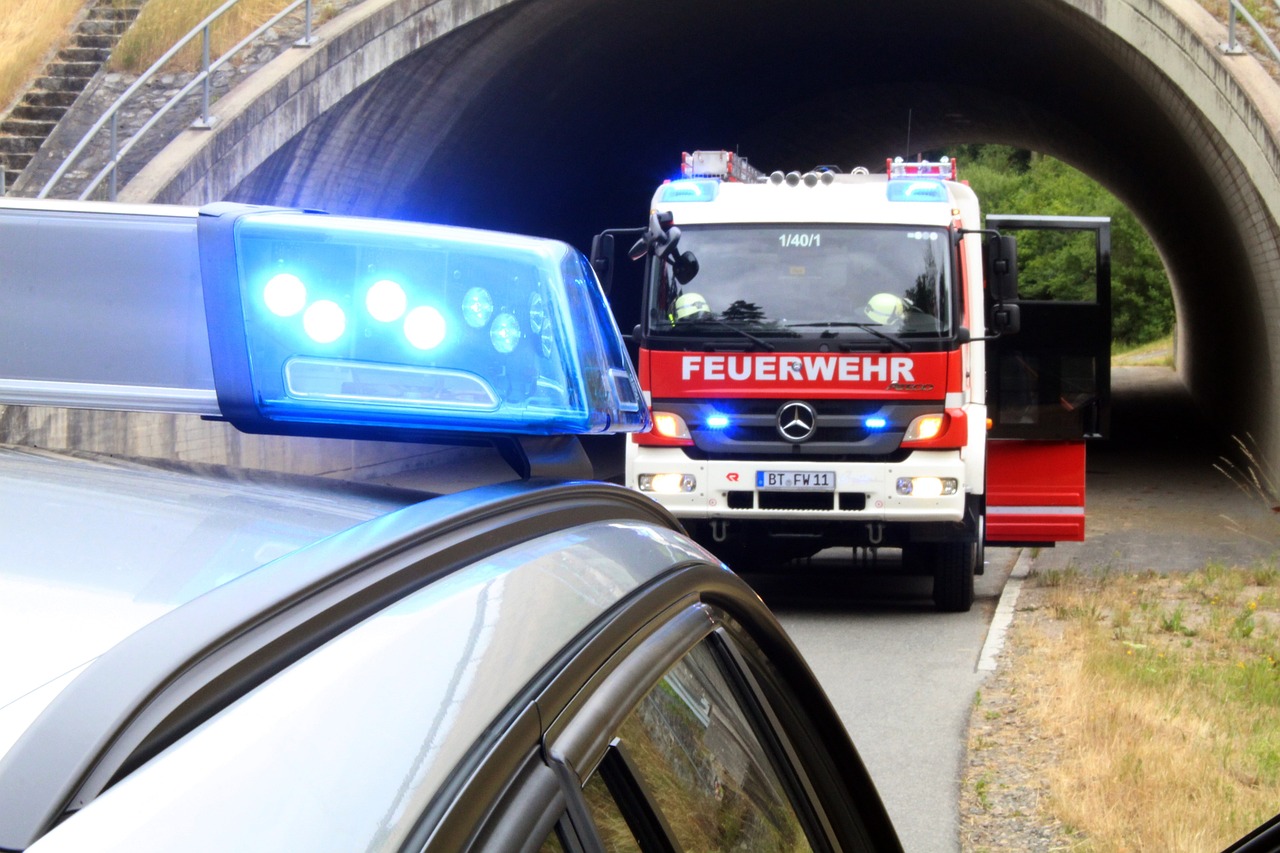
688, 762
553, 844
610, 823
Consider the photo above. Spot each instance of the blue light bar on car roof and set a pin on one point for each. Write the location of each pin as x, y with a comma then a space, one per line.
332, 325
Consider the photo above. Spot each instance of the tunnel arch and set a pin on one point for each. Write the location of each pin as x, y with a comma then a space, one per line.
557, 117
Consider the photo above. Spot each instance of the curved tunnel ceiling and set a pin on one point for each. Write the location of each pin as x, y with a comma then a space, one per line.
558, 117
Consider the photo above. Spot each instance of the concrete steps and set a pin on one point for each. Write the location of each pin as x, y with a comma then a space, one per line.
34, 117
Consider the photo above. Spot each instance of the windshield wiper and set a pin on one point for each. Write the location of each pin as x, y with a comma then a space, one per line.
718, 322
873, 328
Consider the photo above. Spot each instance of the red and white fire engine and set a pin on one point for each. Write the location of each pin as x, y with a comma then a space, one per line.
842, 360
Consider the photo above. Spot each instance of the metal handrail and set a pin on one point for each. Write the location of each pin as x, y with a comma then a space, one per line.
201, 79
1233, 45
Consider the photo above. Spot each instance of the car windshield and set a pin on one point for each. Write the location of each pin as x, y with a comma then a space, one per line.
776, 285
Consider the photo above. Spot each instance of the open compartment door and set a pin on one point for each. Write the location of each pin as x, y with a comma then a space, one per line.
1049, 386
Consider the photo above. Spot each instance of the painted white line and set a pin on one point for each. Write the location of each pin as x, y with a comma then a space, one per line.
1004, 613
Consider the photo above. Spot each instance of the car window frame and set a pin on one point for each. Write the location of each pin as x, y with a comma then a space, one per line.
584, 741
599, 682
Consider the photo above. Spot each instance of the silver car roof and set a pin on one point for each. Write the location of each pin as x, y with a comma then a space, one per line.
188, 554
97, 547
346, 748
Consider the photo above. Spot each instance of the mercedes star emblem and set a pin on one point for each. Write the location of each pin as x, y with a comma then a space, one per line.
797, 421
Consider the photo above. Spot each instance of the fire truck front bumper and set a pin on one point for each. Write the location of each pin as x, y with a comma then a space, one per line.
927, 486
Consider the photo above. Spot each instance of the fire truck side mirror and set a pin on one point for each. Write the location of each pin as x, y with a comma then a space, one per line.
1006, 319
685, 267
602, 260
1001, 258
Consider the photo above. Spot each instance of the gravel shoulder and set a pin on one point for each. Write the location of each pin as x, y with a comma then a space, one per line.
1155, 502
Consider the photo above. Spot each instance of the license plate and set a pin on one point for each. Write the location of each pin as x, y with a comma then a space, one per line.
818, 481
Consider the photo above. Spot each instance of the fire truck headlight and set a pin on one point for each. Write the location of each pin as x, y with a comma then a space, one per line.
927, 487
670, 425
925, 427
669, 430
331, 325
667, 484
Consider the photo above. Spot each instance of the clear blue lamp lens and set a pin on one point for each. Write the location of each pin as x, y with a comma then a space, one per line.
477, 332
324, 321
537, 313
285, 294
477, 307
386, 301
717, 421
425, 328
505, 333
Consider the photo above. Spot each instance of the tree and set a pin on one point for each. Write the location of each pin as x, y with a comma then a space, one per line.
1057, 266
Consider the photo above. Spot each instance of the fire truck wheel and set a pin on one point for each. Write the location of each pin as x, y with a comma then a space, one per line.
953, 576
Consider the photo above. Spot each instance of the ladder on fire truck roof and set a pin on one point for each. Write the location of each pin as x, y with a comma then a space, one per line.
725, 165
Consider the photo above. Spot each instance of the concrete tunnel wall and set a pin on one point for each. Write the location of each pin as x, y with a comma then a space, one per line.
557, 117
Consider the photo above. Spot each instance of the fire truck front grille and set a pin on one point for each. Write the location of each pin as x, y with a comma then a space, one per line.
848, 501
845, 430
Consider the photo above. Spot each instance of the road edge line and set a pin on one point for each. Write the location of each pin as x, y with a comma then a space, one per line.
988, 659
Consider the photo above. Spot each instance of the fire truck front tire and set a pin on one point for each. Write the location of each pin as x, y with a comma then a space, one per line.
953, 576
951, 564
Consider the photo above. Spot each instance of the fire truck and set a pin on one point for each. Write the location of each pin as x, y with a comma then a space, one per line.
843, 360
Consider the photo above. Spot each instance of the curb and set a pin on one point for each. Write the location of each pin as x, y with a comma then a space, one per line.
1003, 618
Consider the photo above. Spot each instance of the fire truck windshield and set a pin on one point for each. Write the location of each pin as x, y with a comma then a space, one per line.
800, 286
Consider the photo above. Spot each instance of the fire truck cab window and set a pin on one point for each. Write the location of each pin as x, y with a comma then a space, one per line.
826, 283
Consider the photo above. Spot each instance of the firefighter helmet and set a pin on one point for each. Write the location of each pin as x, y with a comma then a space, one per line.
692, 306
886, 309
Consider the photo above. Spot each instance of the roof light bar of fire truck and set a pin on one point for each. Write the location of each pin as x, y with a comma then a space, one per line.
921, 181
724, 165
319, 325
943, 169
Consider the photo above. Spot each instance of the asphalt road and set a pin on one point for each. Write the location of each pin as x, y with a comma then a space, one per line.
903, 677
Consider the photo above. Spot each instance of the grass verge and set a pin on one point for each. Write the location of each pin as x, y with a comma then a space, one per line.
1158, 353
163, 22
1162, 696
31, 32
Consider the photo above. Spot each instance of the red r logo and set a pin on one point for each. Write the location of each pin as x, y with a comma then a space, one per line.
732, 478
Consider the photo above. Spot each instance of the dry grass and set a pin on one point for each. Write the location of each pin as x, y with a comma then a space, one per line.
163, 22
1163, 697
31, 32
1151, 354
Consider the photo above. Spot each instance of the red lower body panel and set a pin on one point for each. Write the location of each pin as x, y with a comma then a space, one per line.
1035, 491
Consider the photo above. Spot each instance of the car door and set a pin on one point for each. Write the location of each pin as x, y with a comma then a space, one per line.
1049, 387
696, 728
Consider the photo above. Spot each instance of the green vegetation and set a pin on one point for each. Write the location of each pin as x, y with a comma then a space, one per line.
1055, 266
1165, 694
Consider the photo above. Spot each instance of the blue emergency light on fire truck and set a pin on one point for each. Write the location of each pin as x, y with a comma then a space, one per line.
845, 360
323, 325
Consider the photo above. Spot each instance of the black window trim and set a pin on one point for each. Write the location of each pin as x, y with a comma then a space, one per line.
585, 743
636, 802
816, 739
768, 729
